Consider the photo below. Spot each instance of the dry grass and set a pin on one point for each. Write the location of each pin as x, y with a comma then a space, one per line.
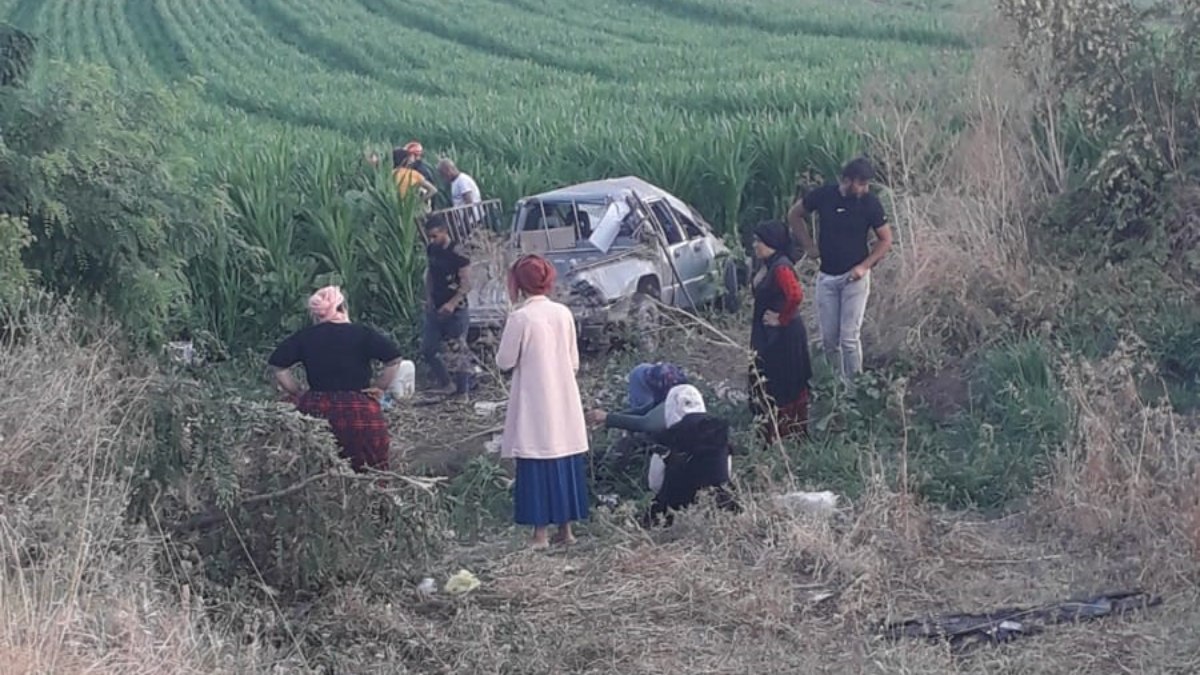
966, 179
78, 591
82, 589
764, 591
777, 592
1131, 479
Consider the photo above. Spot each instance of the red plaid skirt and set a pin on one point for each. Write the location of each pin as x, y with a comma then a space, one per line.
357, 422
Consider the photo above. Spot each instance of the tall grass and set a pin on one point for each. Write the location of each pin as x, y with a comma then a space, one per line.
963, 185
296, 223
77, 581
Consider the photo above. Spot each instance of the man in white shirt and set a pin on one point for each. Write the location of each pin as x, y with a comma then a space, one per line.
463, 190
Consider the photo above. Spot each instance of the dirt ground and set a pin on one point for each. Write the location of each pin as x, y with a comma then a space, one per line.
439, 436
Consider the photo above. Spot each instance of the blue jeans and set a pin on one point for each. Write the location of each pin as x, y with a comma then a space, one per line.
438, 331
841, 305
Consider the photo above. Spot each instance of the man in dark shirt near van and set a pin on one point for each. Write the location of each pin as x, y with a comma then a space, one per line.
446, 314
846, 214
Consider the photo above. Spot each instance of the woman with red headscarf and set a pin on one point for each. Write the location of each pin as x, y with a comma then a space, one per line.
544, 430
337, 356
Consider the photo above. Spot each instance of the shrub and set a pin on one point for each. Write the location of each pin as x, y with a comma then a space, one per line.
996, 451
88, 165
258, 490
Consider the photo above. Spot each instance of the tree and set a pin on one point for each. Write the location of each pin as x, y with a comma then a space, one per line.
91, 168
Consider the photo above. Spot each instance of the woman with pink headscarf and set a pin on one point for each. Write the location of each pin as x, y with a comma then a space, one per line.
337, 356
544, 430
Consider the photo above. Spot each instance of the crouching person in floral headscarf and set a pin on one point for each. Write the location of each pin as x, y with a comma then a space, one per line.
337, 356
695, 457
544, 430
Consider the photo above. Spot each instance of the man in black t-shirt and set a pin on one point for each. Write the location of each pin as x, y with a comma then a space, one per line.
846, 215
446, 316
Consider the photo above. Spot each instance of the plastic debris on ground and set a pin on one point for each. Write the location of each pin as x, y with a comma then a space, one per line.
493, 446
427, 587
822, 504
489, 408
964, 631
462, 582
183, 352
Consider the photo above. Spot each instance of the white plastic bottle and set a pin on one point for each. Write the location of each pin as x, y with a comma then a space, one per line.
405, 383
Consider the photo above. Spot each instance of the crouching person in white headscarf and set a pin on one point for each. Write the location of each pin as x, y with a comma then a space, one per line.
695, 456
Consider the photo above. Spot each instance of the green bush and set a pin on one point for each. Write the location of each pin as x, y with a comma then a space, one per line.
14, 276
88, 165
996, 450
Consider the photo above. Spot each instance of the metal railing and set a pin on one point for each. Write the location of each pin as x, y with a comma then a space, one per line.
467, 219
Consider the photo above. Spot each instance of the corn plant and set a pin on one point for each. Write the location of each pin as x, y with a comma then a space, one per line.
329, 221
723, 104
781, 145
734, 156
392, 259
218, 282
264, 216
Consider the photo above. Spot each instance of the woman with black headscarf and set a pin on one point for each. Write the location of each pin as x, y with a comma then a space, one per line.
781, 371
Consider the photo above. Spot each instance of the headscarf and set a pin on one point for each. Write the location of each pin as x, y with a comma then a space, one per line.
532, 274
661, 378
682, 401
650, 382
326, 305
775, 234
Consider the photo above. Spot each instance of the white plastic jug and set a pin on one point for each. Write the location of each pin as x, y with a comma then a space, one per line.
405, 383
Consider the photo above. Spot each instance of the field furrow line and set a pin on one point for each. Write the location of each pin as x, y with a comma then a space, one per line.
302, 28
160, 50
427, 19
27, 14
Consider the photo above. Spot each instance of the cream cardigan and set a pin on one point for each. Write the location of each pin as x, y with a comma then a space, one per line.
545, 414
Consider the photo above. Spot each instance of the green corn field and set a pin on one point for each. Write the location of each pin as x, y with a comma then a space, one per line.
725, 102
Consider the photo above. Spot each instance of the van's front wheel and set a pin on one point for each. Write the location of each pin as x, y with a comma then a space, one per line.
644, 319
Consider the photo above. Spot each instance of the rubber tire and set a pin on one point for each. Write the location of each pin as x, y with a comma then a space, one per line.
644, 316
731, 299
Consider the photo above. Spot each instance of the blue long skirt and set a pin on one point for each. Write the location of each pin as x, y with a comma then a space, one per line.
550, 491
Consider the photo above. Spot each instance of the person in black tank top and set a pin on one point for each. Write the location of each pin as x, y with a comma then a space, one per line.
444, 332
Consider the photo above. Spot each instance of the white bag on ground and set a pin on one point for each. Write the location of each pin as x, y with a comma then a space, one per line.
815, 503
658, 469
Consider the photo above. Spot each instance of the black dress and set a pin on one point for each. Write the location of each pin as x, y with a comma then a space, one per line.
780, 377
